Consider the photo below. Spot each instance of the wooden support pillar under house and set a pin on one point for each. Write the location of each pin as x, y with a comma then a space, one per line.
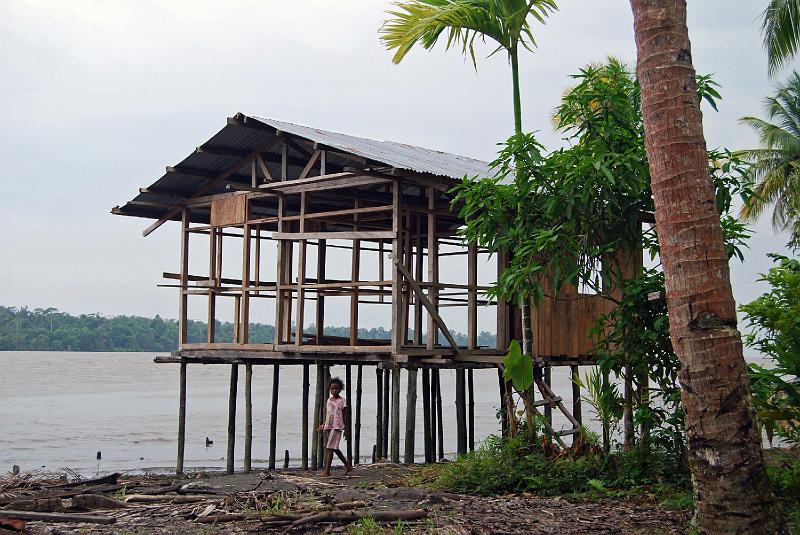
396, 414
248, 417
232, 392
379, 411
357, 426
471, 409
411, 416
349, 417
386, 411
304, 419
319, 383
273, 417
426, 415
461, 412
181, 419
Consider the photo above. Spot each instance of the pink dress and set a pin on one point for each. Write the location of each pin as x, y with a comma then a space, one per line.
335, 420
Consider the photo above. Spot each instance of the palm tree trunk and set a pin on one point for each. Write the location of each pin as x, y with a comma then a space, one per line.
732, 491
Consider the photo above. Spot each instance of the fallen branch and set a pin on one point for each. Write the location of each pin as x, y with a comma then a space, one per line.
147, 498
58, 517
352, 516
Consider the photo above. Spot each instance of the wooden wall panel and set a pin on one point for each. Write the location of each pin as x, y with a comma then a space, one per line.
229, 211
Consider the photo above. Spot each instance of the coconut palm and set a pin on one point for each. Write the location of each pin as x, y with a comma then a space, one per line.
732, 491
776, 165
507, 22
780, 25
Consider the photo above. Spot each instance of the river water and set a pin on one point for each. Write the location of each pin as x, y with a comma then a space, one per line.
59, 409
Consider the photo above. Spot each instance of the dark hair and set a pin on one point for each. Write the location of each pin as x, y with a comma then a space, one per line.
338, 382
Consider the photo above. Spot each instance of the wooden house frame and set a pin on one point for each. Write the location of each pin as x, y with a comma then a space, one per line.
303, 193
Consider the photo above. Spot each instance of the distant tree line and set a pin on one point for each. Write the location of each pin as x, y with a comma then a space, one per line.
47, 329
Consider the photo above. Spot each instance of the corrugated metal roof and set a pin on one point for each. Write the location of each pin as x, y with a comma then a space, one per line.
400, 155
227, 150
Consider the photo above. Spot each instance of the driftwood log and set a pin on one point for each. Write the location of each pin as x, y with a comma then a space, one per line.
58, 517
160, 498
352, 516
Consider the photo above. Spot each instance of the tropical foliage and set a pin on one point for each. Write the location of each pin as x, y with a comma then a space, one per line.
23, 329
780, 27
775, 319
776, 165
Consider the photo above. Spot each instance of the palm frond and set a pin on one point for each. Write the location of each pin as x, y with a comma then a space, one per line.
780, 26
463, 21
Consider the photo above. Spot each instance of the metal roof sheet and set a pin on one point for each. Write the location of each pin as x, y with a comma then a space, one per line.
400, 155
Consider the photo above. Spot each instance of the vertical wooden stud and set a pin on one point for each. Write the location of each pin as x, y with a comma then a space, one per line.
440, 428
396, 414
386, 412
472, 297
316, 421
349, 431
461, 413
471, 409
433, 268
379, 412
183, 306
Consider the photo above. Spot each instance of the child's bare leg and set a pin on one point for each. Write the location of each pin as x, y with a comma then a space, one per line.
328, 462
344, 461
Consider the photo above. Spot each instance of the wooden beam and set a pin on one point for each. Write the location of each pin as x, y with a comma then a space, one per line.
183, 304
248, 417
432, 312
396, 414
273, 417
181, 419
229, 458
211, 184
304, 419
310, 164
411, 416
358, 235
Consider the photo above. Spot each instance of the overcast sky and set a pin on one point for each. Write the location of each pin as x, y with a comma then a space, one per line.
99, 96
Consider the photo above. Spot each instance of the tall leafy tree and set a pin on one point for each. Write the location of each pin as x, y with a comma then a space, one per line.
780, 26
508, 24
776, 165
732, 491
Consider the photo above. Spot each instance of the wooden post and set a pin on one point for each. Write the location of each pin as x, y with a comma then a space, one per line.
433, 270
183, 319
576, 398
244, 316
440, 429
472, 300
301, 276
434, 396
273, 418
181, 419
248, 417
397, 314
326, 388
379, 413
314, 432
426, 414
286, 460
471, 406
212, 274
319, 320
357, 438
386, 411
232, 418
304, 419
548, 409
411, 415
396, 414
349, 430
461, 413
503, 414
418, 265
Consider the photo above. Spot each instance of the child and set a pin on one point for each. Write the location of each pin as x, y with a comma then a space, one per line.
335, 423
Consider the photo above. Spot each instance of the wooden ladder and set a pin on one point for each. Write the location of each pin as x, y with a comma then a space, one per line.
550, 399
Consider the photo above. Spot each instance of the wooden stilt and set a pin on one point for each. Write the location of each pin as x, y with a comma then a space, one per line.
440, 429
273, 417
314, 433
386, 410
396, 414
471, 409
349, 431
326, 388
576, 398
503, 413
411, 416
461, 413
286, 460
232, 419
181, 419
248, 417
357, 437
379, 413
548, 409
434, 397
426, 414
304, 419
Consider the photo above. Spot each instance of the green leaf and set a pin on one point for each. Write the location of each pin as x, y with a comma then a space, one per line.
518, 367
